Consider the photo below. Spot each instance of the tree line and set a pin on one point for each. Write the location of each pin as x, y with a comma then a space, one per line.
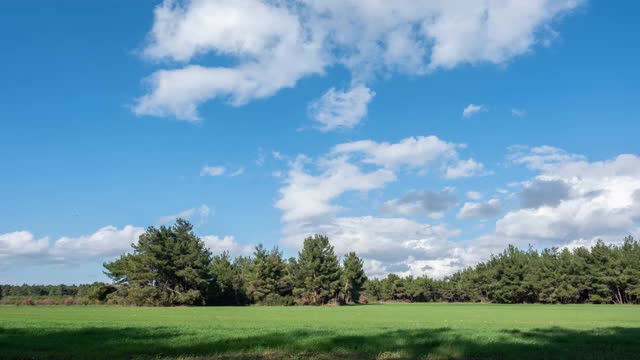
170, 265
603, 274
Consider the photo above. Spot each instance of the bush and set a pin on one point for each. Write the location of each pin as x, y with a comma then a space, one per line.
100, 291
27, 301
143, 296
278, 300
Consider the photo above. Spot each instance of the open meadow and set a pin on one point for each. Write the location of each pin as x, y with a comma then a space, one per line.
397, 331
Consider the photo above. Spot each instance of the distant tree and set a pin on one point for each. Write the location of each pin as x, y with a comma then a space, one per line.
227, 287
353, 277
266, 276
169, 265
318, 272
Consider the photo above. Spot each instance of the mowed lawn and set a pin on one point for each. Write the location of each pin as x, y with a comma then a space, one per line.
423, 331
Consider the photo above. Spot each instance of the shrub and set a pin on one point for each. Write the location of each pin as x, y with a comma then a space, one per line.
27, 301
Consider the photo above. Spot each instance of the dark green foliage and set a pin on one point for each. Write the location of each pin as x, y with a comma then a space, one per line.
266, 278
168, 266
353, 278
318, 272
171, 266
228, 286
606, 274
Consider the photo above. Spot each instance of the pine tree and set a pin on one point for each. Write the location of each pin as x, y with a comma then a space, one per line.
169, 266
353, 278
318, 272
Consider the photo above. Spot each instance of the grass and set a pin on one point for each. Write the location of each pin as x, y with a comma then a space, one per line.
422, 331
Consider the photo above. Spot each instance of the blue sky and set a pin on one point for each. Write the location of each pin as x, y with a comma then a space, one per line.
276, 122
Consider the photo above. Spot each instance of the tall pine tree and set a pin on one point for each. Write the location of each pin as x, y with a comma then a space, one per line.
318, 272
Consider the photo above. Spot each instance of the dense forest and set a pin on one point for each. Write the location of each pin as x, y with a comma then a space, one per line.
171, 266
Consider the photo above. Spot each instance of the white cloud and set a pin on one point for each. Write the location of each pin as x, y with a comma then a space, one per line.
341, 109
473, 195
419, 153
306, 196
541, 157
218, 245
599, 198
264, 37
480, 210
270, 45
22, 246
472, 109
105, 242
212, 170
202, 211
465, 168
570, 202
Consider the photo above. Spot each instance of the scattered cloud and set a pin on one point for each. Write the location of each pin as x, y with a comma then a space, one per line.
541, 157
273, 44
422, 202
22, 247
465, 168
202, 212
218, 245
420, 153
518, 112
212, 170
586, 199
341, 109
480, 210
305, 195
106, 242
473, 195
472, 110
21, 244
239, 171
544, 193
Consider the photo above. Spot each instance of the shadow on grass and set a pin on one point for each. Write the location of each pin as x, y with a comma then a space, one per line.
439, 343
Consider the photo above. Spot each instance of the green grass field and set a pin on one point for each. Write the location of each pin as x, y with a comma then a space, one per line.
429, 331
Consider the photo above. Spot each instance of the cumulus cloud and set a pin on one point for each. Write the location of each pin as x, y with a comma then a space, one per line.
544, 192
418, 153
202, 212
422, 202
473, 195
21, 246
480, 210
465, 168
602, 199
106, 242
472, 109
341, 109
271, 45
307, 196
218, 245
